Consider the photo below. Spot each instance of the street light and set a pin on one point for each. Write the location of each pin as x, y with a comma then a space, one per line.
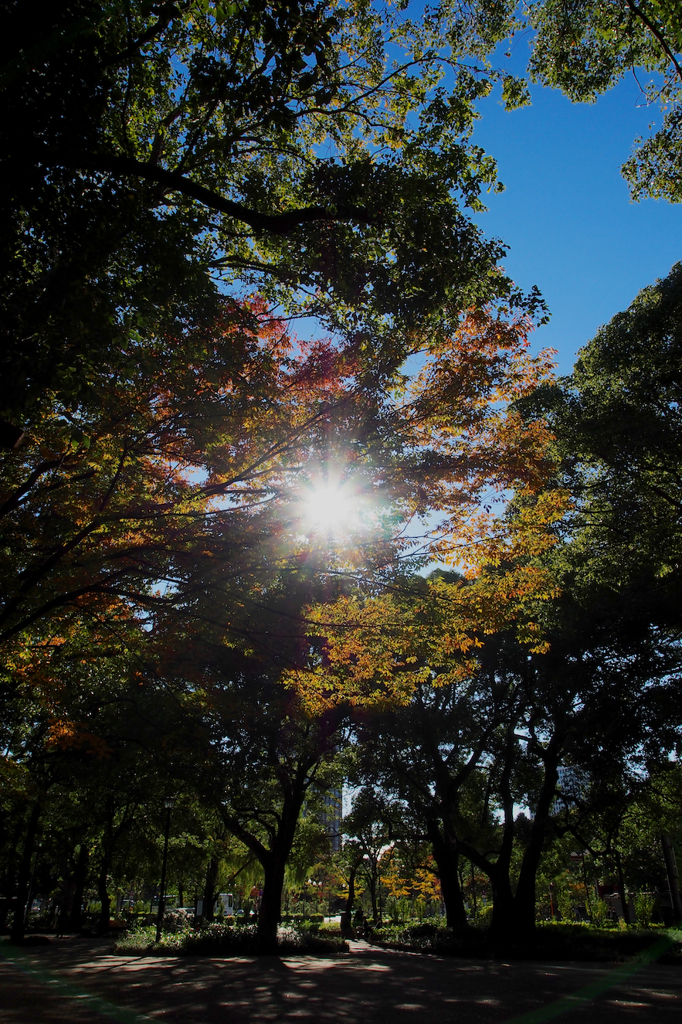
168, 804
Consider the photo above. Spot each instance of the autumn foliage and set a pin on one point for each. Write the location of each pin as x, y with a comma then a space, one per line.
471, 478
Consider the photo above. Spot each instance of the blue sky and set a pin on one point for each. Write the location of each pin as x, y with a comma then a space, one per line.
566, 213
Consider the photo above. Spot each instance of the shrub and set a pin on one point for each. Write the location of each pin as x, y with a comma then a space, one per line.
177, 920
571, 941
142, 940
307, 924
483, 916
644, 907
599, 913
217, 938
415, 936
330, 928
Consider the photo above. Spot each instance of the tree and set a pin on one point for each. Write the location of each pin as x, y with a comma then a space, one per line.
431, 755
599, 700
456, 756
110, 516
85, 747
260, 755
156, 158
617, 424
169, 510
180, 178
369, 831
620, 817
389, 649
235, 567
461, 448
585, 49
157, 154
161, 162
349, 862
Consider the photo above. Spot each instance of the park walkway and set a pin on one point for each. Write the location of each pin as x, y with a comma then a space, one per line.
83, 982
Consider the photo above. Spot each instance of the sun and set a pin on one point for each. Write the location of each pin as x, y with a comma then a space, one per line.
329, 507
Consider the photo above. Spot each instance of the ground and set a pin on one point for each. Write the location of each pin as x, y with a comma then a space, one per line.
83, 982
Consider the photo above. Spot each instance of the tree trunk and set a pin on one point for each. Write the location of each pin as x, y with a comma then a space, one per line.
371, 876
24, 878
503, 926
209, 888
274, 860
447, 860
351, 888
621, 888
105, 911
270, 911
673, 878
525, 890
9, 875
75, 919
112, 834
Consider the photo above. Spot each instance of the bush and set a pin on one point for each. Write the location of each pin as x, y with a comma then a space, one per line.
220, 939
551, 942
330, 928
432, 938
586, 942
422, 937
304, 922
599, 913
484, 915
644, 907
142, 940
177, 920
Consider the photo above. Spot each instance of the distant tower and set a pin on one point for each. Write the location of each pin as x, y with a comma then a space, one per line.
573, 784
332, 801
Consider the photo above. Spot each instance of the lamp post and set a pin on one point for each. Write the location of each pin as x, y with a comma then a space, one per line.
168, 804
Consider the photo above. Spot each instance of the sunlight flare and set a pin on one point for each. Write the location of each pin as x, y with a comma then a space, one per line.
329, 506
332, 506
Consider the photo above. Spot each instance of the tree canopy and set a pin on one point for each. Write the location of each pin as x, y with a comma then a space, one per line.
185, 184
586, 48
155, 155
616, 419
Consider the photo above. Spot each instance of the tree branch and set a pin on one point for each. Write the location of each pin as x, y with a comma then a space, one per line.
657, 34
272, 223
167, 12
14, 500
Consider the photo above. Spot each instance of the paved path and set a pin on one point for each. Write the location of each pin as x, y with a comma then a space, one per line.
82, 982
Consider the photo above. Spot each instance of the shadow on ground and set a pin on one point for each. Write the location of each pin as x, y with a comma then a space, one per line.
76, 980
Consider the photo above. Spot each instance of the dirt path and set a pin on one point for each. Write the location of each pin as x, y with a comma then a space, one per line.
77, 981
